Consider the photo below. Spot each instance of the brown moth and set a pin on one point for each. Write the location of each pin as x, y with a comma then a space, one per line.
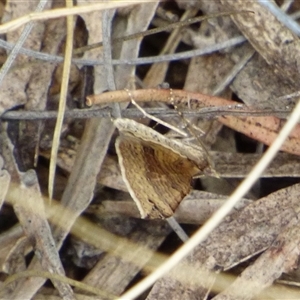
156, 170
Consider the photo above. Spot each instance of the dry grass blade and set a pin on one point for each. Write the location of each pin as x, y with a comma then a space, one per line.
63, 12
62, 100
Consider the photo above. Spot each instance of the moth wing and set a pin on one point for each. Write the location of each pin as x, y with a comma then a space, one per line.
156, 177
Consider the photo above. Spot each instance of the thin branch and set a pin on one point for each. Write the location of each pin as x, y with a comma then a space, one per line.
137, 61
168, 27
205, 113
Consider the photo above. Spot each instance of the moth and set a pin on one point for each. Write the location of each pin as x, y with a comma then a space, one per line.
156, 170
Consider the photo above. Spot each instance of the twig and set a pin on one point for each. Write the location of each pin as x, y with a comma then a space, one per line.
205, 113
133, 61
168, 27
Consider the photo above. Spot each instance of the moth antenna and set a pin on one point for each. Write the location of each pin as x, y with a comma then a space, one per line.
153, 117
